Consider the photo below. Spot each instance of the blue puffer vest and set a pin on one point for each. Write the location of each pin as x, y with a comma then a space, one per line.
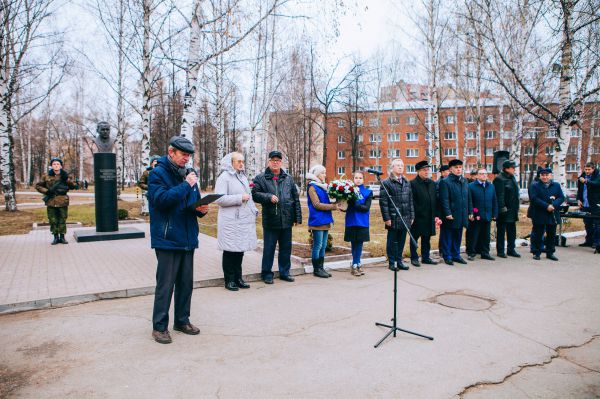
353, 216
315, 216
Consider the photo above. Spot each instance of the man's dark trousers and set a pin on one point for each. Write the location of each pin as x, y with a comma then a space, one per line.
270, 239
537, 235
589, 228
175, 270
478, 237
451, 245
425, 246
508, 229
396, 239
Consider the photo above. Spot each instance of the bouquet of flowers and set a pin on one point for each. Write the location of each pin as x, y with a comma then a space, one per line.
343, 191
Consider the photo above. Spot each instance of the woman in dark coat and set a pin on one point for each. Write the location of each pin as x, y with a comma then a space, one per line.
426, 207
357, 222
55, 186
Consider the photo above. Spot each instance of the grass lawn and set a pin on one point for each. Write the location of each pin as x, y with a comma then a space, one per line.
21, 222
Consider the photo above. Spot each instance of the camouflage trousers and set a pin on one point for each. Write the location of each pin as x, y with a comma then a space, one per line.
58, 219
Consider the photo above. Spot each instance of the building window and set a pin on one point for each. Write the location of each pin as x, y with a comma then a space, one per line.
529, 118
450, 152
373, 122
549, 150
341, 123
393, 137
375, 138
361, 153
410, 169
471, 151
393, 120
571, 184
575, 132
412, 137
596, 149
341, 170
449, 135
393, 154
375, 154
490, 134
359, 138
411, 120
490, 151
488, 167
360, 122
341, 154
595, 132
530, 134
489, 119
377, 167
412, 152
508, 117
449, 118
551, 134
572, 167
528, 151
341, 139
469, 118
572, 150
469, 135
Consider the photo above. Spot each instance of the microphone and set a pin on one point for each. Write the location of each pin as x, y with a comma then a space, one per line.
374, 172
190, 170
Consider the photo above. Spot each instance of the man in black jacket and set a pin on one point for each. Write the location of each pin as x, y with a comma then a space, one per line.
545, 201
457, 210
426, 208
485, 209
507, 193
276, 191
396, 224
589, 173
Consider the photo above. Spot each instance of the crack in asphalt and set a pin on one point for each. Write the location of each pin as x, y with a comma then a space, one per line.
520, 368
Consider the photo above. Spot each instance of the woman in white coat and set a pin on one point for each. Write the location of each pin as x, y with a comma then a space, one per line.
236, 223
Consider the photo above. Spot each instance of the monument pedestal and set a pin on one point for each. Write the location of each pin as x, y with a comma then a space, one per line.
107, 222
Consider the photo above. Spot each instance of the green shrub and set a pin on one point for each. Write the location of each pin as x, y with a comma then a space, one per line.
123, 214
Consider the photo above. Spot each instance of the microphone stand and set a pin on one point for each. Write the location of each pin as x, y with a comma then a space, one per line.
394, 327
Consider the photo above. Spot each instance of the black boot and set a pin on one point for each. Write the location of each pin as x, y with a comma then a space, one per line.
317, 270
62, 239
56, 240
322, 264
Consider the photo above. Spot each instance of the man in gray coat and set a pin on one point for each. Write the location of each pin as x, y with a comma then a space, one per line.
396, 224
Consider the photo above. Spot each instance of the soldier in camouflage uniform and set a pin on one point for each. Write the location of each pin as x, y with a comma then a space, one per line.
143, 183
55, 186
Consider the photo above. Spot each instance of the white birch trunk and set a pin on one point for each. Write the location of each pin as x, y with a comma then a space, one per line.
590, 146
515, 145
501, 120
146, 87
191, 75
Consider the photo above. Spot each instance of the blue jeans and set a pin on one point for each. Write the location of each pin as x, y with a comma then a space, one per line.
270, 238
319, 243
357, 247
451, 244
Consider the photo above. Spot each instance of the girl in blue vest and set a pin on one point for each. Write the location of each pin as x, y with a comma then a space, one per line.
320, 218
357, 222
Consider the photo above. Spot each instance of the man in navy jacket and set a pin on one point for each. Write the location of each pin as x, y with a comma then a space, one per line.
172, 193
485, 209
545, 200
457, 210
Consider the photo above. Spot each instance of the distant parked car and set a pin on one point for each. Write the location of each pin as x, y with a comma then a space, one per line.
376, 188
571, 198
524, 195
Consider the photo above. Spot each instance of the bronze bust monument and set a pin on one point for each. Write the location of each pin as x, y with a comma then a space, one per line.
103, 140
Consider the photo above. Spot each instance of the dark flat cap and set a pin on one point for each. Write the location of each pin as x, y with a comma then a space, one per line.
444, 167
508, 164
421, 165
182, 144
455, 162
544, 171
275, 154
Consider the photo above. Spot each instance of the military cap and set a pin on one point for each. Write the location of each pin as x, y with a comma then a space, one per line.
508, 164
275, 154
455, 162
182, 144
545, 171
444, 167
421, 165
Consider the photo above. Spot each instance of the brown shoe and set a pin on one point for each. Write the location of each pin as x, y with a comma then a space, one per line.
355, 271
162, 337
188, 329
360, 270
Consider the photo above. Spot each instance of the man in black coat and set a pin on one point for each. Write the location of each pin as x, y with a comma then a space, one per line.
545, 201
507, 193
396, 224
589, 173
276, 192
426, 209
443, 172
457, 210
485, 209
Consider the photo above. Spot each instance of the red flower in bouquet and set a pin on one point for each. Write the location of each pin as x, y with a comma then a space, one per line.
252, 185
